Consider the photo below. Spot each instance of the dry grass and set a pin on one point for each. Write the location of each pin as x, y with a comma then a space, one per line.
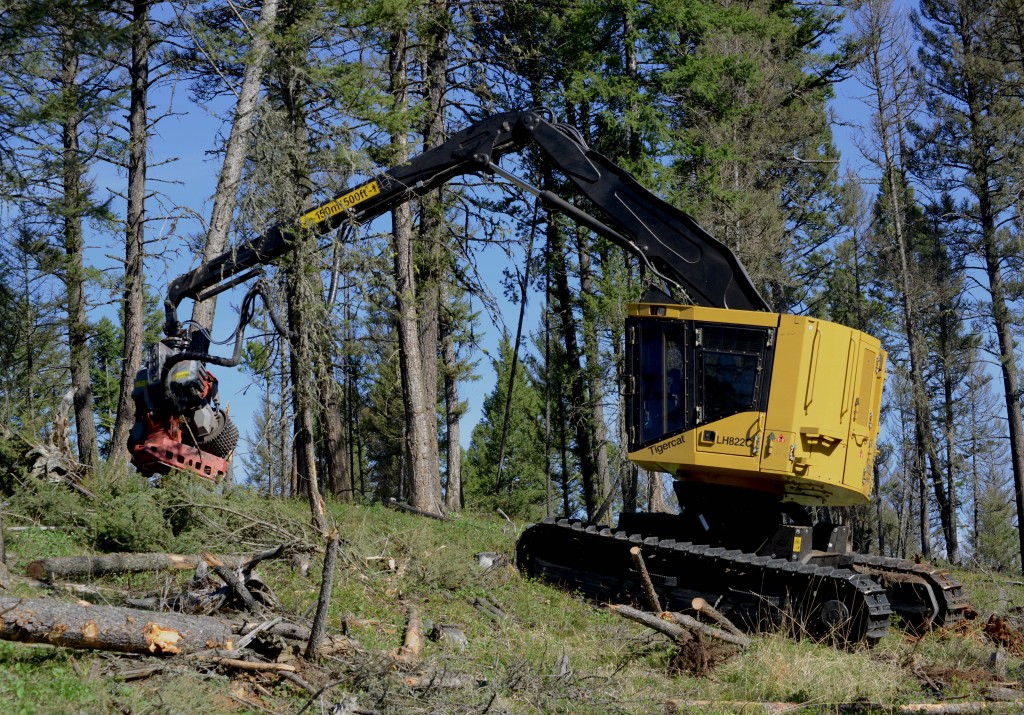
553, 653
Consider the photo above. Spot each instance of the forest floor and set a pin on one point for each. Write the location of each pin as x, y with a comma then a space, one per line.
537, 650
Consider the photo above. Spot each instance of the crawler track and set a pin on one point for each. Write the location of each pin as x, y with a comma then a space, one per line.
923, 596
838, 604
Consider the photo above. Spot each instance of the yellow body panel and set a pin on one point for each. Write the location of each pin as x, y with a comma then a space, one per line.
815, 443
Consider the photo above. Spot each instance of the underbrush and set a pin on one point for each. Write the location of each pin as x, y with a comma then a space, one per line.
538, 650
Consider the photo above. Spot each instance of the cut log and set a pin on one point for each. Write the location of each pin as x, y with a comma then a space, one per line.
89, 566
124, 630
409, 653
693, 624
251, 665
645, 578
676, 633
395, 504
706, 609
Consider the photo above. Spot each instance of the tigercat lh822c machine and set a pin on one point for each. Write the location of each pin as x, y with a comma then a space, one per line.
756, 415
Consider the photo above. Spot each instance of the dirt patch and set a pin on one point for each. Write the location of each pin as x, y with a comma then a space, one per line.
1000, 632
699, 657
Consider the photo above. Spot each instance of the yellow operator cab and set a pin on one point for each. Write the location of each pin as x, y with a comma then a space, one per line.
784, 405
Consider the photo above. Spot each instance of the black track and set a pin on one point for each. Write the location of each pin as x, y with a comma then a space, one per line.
922, 595
757, 592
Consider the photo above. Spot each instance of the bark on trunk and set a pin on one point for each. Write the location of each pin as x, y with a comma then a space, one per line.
418, 413
124, 630
432, 268
134, 252
887, 126
226, 195
591, 353
302, 289
1003, 323
319, 627
578, 413
73, 205
453, 409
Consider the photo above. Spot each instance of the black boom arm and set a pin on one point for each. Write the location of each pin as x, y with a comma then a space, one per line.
670, 241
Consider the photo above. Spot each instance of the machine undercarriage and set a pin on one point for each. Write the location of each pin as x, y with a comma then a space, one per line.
799, 577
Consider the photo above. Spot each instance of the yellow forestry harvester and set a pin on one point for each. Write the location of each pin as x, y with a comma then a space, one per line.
756, 415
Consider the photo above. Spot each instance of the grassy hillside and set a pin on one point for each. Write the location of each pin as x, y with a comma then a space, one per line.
552, 653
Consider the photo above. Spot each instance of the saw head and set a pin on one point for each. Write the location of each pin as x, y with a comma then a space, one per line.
178, 420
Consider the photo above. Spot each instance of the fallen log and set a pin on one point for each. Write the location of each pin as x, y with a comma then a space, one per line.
409, 653
674, 707
676, 633
706, 609
228, 576
704, 629
89, 566
123, 630
250, 665
395, 504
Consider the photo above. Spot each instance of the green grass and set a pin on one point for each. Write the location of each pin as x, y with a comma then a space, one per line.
614, 666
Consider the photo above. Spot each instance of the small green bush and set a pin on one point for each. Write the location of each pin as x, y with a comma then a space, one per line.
128, 517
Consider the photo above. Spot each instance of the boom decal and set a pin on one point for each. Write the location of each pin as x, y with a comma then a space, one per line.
340, 204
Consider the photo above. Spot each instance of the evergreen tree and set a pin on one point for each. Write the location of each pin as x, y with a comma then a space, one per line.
972, 145
522, 490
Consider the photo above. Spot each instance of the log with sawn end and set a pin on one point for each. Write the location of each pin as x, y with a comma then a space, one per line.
89, 566
651, 620
123, 630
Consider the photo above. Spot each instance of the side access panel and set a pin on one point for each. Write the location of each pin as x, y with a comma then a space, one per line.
822, 419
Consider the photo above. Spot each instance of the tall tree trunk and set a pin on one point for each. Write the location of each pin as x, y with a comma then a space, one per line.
431, 268
418, 413
578, 416
302, 289
134, 253
73, 205
226, 196
1003, 323
453, 407
888, 113
591, 353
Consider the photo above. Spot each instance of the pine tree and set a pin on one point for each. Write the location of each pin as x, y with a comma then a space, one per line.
522, 490
973, 145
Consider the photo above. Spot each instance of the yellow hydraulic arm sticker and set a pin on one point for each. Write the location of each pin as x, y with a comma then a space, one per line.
342, 203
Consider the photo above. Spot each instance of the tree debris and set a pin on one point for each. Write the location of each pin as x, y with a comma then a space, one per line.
124, 630
92, 566
234, 582
489, 609
672, 707
645, 578
409, 653
693, 624
395, 504
706, 609
673, 631
323, 603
